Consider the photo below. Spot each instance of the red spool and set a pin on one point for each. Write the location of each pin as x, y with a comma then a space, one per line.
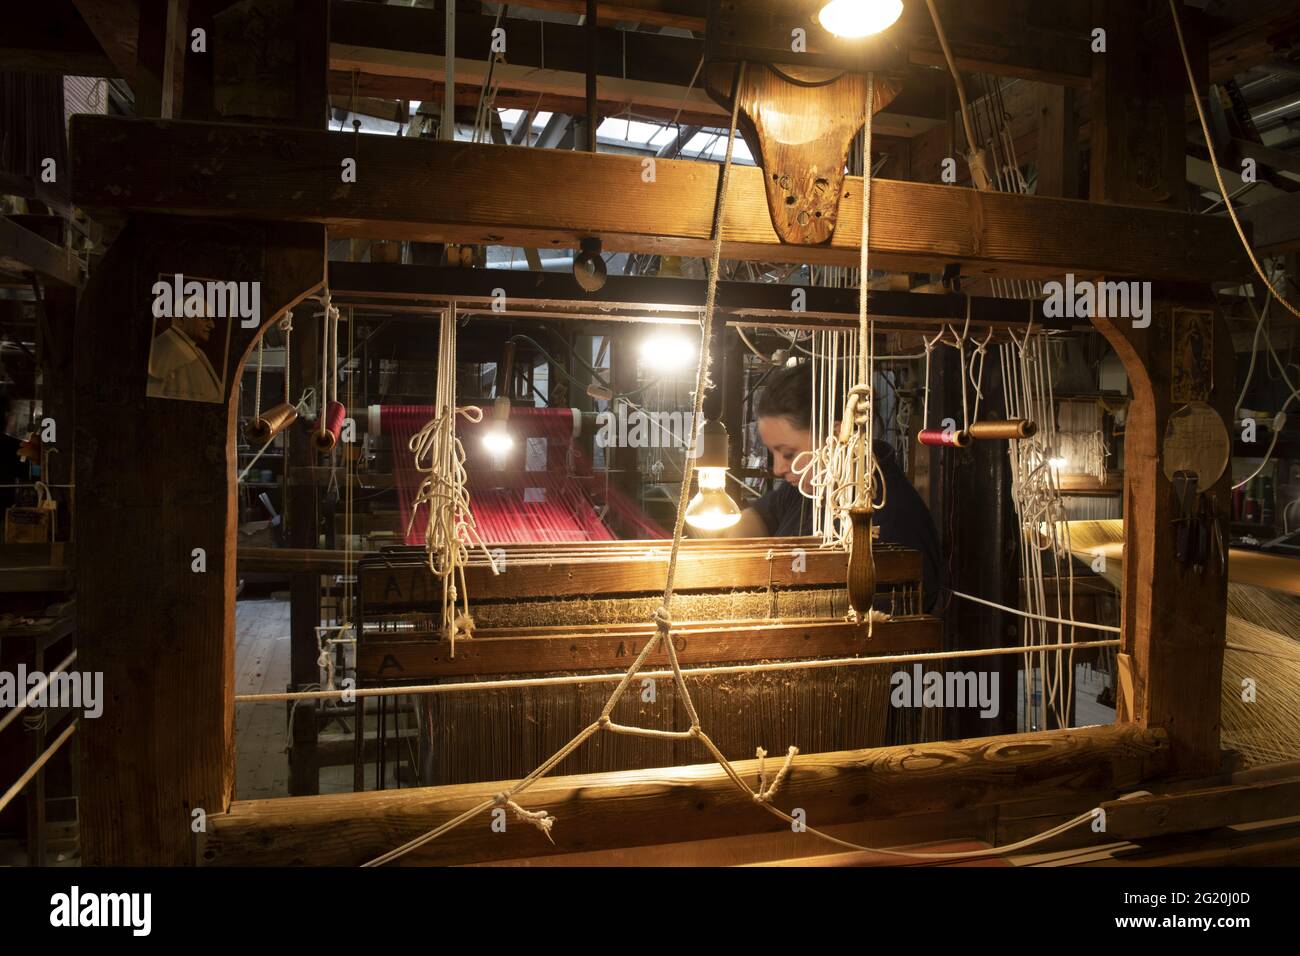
943, 437
327, 434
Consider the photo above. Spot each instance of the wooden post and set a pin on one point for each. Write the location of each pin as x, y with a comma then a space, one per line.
1173, 617
1058, 143
303, 531
159, 480
1139, 87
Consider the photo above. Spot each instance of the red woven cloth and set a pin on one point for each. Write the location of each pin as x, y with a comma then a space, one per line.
511, 504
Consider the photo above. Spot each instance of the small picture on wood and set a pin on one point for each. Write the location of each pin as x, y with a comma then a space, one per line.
187, 357
1193, 358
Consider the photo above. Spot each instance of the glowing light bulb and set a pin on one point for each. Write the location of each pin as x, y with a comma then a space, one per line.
1057, 462
853, 19
668, 351
712, 508
497, 440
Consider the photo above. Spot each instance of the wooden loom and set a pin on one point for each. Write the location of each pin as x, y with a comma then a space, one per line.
255, 201
564, 609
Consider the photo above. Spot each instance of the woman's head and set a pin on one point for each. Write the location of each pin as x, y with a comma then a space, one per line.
785, 417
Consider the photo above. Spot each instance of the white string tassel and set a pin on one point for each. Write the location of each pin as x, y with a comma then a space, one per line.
538, 818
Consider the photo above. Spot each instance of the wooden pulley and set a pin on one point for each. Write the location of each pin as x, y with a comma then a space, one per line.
862, 564
270, 423
1010, 430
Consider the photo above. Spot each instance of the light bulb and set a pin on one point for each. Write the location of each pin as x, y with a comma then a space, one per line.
1057, 462
853, 19
712, 508
667, 351
497, 440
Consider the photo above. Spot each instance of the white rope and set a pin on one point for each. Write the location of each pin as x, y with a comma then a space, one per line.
581, 679
439, 456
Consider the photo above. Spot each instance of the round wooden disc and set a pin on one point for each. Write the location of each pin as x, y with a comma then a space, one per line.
1196, 440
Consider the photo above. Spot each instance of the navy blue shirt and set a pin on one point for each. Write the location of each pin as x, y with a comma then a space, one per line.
904, 520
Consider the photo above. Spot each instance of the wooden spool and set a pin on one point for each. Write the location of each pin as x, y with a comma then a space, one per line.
862, 564
326, 435
1011, 430
270, 423
942, 437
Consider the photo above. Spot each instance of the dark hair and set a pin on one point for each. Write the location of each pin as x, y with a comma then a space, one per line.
788, 394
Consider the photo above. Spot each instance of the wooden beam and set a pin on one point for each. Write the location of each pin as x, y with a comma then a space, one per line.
1272, 29
115, 24
460, 192
51, 38
1161, 815
22, 250
678, 14
1029, 41
385, 586
665, 298
730, 643
1275, 225
641, 807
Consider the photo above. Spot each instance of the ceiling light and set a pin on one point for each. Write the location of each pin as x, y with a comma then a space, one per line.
853, 19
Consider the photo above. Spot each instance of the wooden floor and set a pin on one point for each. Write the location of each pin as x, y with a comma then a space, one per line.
261, 666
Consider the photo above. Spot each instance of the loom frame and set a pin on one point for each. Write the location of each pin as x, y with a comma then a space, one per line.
168, 747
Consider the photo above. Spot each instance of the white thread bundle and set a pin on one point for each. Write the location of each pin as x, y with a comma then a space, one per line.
440, 456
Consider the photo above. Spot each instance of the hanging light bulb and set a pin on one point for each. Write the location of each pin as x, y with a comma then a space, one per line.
668, 351
496, 439
712, 508
854, 19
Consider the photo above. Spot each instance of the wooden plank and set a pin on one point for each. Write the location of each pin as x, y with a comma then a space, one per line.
379, 659
640, 807
1144, 817
386, 589
460, 192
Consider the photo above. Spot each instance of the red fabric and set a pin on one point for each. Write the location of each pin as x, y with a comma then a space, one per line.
511, 504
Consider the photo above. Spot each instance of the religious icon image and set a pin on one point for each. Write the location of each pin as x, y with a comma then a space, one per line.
187, 358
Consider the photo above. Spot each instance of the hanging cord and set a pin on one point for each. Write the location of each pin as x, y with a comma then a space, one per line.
451, 527
1214, 164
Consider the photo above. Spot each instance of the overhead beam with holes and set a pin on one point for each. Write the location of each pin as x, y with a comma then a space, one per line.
436, 191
